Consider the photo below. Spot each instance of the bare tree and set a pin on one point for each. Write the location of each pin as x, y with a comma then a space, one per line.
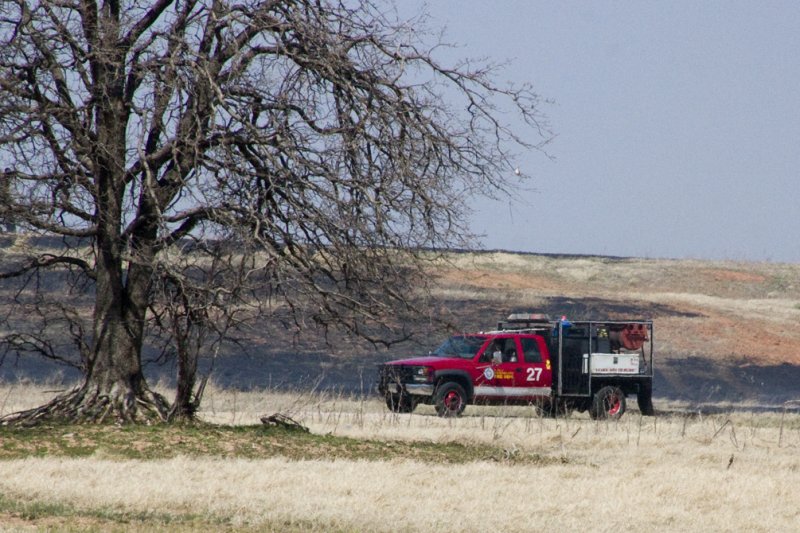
5, 199
312, 155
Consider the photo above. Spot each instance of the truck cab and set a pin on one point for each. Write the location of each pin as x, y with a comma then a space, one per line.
558, 366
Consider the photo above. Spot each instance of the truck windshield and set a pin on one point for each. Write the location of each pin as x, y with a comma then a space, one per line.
460, 346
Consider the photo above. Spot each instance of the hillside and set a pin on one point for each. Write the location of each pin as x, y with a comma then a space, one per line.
724, 311
724, 331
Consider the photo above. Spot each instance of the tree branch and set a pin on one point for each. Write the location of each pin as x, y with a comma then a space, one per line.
46, 261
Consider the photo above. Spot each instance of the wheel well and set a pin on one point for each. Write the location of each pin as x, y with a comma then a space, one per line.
628, 387
465, 383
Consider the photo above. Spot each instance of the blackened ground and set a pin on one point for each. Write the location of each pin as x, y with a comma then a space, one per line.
694, 380
699, 380
274, 359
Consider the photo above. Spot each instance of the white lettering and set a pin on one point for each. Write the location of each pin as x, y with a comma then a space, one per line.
534, 373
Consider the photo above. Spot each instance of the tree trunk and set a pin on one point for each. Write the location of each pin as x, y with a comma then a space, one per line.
185, 406
114, 388
115, 385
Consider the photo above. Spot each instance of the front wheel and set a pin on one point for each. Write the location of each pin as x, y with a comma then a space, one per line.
608, 403
450, 399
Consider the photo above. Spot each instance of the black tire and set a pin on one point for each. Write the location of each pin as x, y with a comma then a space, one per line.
645, 399
558, 409
608, 404
450, 399
400, 403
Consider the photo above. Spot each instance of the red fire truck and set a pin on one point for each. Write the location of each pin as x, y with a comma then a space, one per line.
557, 365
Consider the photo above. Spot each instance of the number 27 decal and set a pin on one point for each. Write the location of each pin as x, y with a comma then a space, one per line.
533, 373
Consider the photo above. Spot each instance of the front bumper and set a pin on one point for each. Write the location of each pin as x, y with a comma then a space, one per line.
415, 389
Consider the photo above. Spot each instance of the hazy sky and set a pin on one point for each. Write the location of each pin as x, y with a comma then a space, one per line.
677, 123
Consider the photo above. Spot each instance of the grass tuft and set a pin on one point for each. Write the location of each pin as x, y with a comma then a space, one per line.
248, 442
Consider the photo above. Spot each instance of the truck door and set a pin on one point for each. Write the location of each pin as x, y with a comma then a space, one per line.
505, 362
518, 368
534, 371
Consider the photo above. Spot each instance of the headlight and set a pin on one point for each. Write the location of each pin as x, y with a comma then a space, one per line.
421, 374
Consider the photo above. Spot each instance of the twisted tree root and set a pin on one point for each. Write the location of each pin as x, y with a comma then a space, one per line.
89, 405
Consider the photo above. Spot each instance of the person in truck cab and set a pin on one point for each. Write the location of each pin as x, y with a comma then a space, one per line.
510, 355
494, 352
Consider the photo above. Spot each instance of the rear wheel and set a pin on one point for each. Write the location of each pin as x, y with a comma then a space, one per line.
608, 403
400, 403
450, 399
645, 399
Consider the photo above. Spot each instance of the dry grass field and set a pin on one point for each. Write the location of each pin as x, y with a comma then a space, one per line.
498, 468
728, 324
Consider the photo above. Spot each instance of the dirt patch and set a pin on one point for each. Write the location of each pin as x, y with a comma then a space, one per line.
732, 275
486, 279
725, 339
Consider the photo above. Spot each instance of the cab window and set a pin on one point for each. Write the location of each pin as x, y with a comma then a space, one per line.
500, 350
530, 350
462, 346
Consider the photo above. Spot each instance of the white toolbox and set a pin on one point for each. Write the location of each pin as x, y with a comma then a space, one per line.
614, 363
